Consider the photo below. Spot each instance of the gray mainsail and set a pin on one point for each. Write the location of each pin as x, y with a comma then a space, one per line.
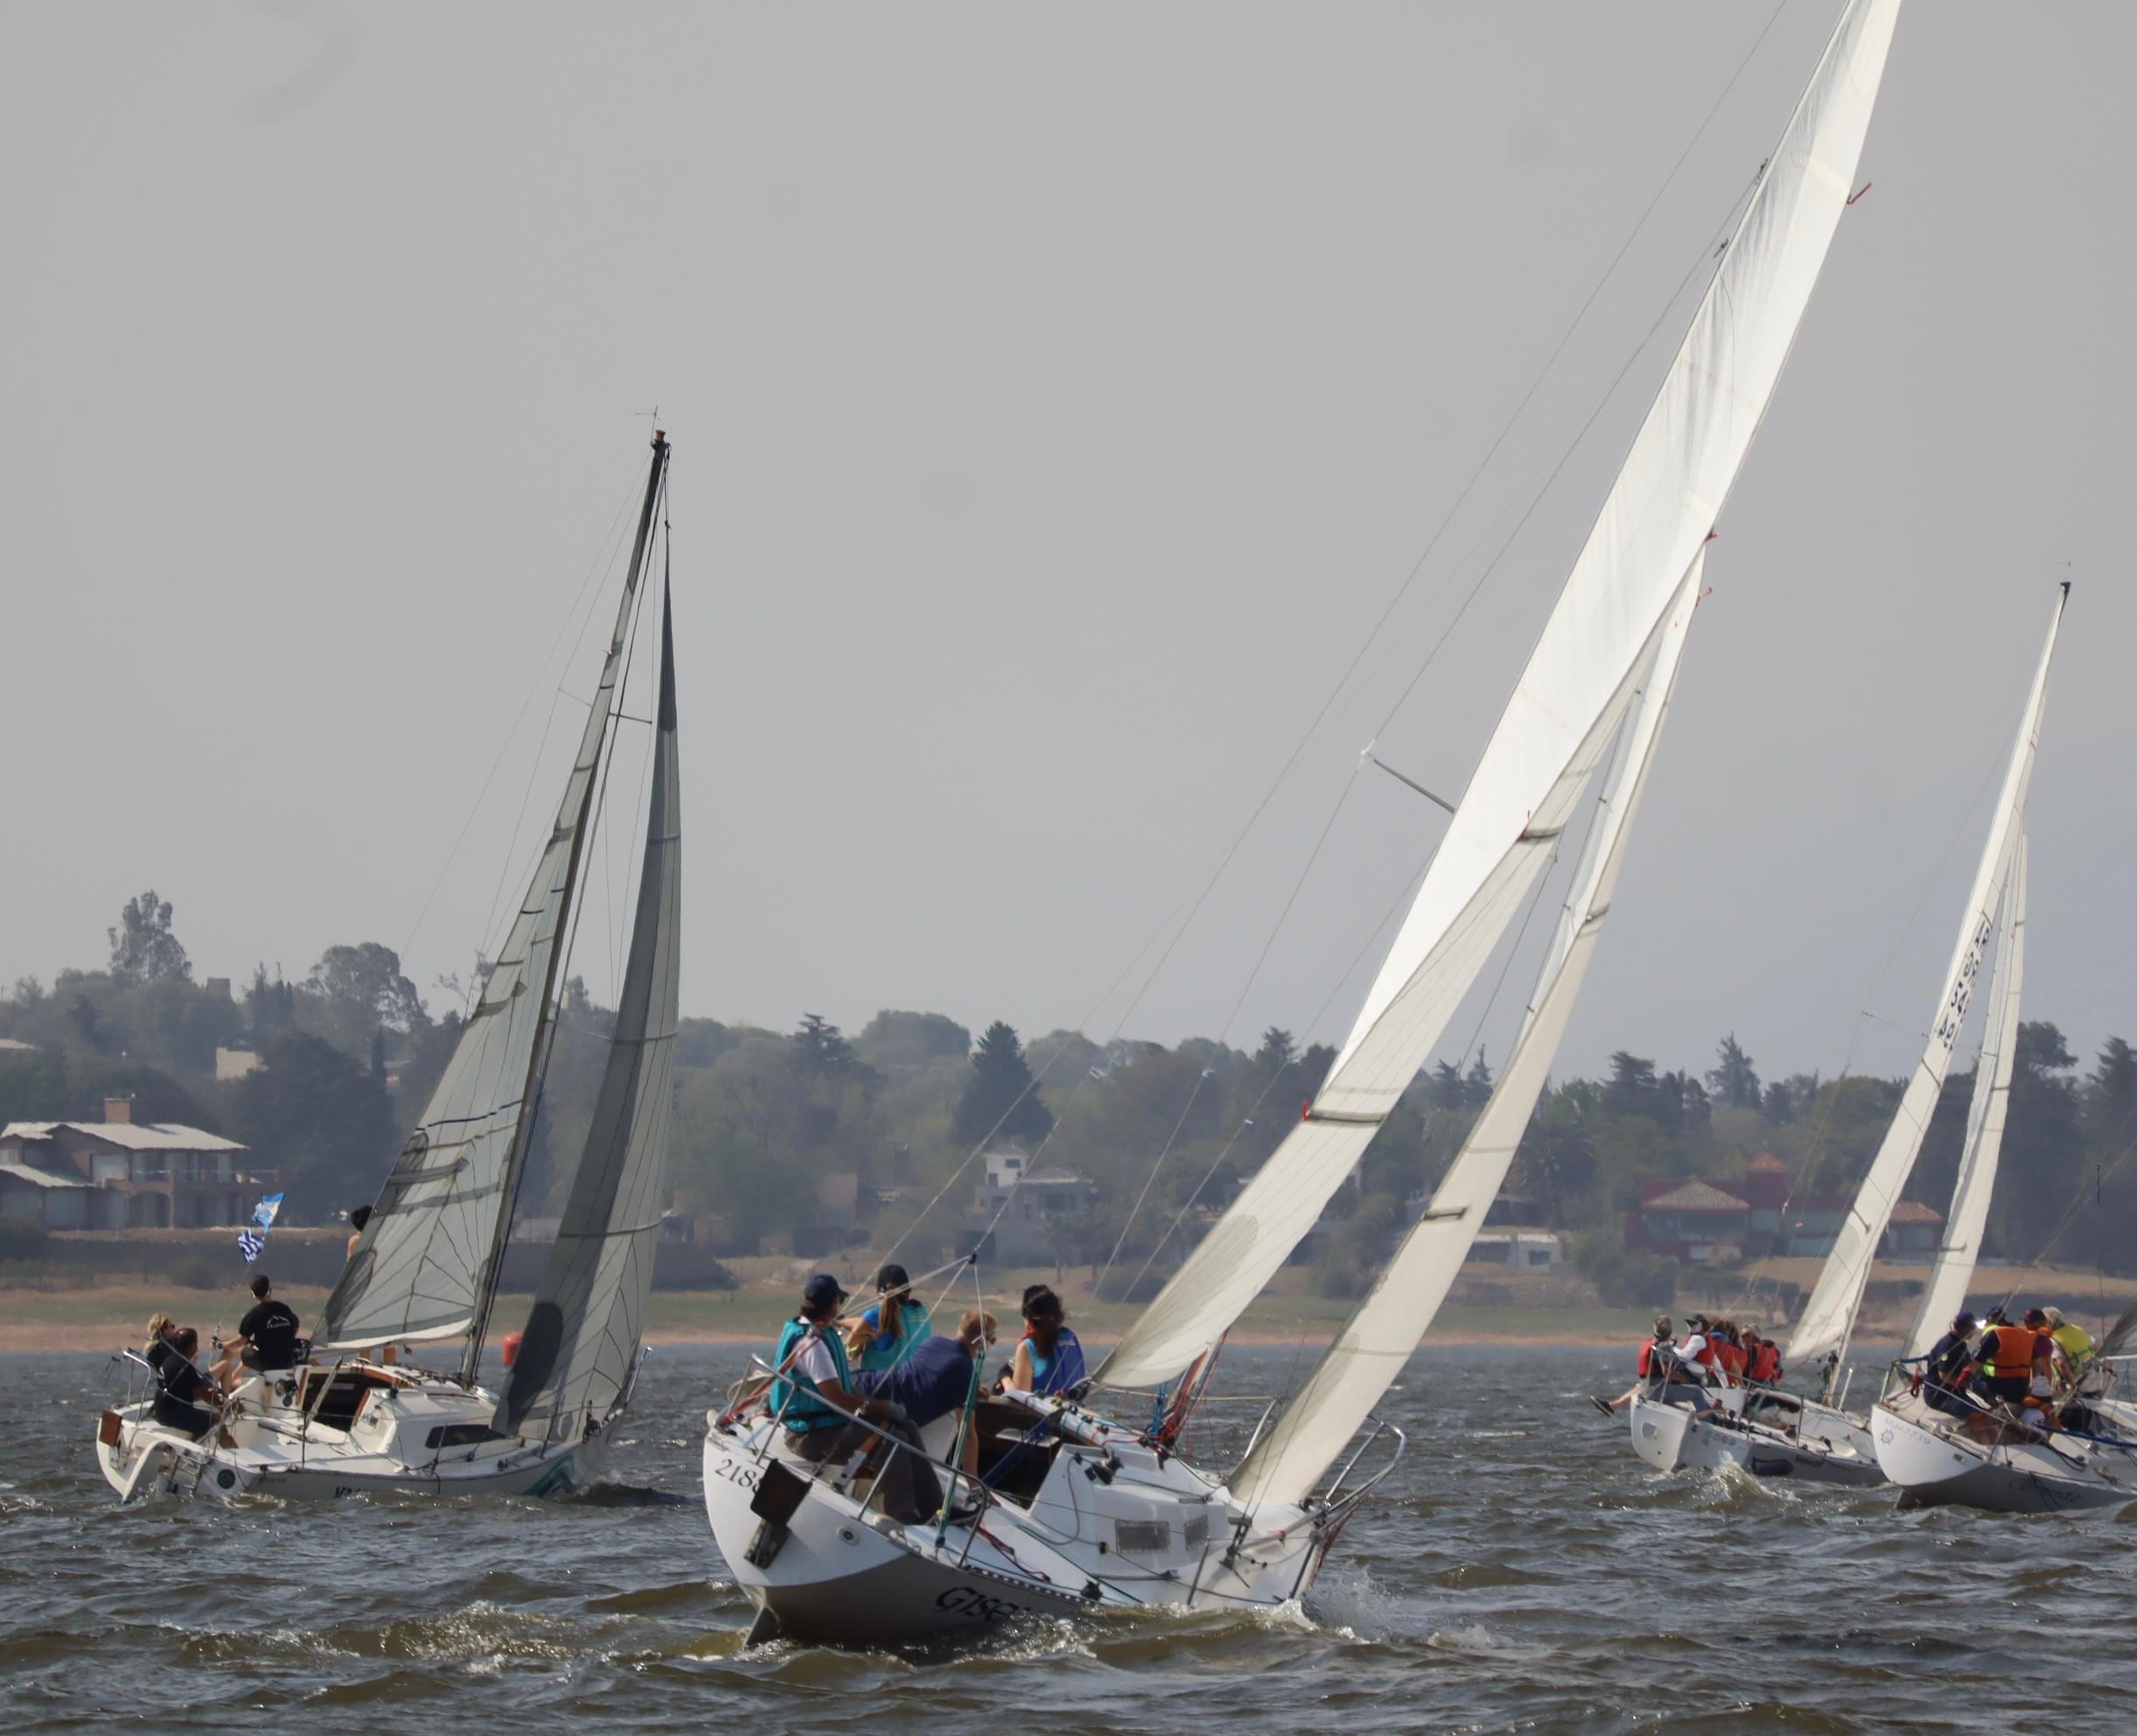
581, 1343
427, 1265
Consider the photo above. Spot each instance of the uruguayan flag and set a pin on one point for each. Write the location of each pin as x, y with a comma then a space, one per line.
253, 1238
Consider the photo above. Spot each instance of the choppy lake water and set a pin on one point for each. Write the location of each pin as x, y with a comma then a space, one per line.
1522, 1571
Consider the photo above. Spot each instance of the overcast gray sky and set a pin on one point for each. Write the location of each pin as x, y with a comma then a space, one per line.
1058, 397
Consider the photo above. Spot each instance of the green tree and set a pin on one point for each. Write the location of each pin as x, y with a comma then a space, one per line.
897, 1044
1732, 1081
143, 948
1001, 1099
821, 1047
317, 1115
359, 989
1277, 1051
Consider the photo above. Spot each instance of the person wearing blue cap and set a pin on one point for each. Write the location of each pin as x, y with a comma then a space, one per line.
814, 1397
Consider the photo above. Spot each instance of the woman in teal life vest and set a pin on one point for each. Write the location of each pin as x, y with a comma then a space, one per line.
814, 1398
1049, 1359
888, 1332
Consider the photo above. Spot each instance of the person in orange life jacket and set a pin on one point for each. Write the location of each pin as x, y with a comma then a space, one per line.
814, 1397
1728, 1353
1648, 1367
2006, 1371
1050, 1358
1943, 1373
1765, 1369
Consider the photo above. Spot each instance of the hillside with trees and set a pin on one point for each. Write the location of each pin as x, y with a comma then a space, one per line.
813, 1137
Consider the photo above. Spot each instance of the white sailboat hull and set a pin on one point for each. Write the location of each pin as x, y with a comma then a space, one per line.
409, 1436
1935, 1465
845, 1573
1819, 1445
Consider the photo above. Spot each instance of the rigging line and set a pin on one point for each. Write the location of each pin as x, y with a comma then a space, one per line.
2079, 1199
1825, 1121
575, 627
604, 556
569, 940
1408, 892
1245, 988
1210, 882
1200, 889
1550, 469
1558, 350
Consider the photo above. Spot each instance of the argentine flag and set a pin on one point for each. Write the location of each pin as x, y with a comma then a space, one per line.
253, 1238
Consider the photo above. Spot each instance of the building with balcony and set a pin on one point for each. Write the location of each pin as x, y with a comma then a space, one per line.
120, 1173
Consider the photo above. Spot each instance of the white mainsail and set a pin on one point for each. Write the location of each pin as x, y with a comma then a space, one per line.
1287, 1462
1946, 1293
426, 1266
1571, 696
581, 1343
1829, 1316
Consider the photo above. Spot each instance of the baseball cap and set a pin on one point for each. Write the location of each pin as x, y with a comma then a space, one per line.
821, 1291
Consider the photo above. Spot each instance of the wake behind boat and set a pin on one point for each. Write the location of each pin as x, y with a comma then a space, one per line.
1074, 1509
345, 1418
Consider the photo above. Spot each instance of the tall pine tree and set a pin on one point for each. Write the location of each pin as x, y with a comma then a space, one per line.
1000, 1099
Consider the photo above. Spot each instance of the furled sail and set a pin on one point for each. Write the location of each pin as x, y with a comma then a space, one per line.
1946, 1293
1287, 1462
580, 1344
1829, 1316
1569, 699
426, 1266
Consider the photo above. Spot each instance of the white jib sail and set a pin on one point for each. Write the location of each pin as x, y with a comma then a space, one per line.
1829, 1316
580, 1345
1659, 512
1946, 1293
1288, 1461
422, 1264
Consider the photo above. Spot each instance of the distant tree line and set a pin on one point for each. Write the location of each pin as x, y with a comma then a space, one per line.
766, 1121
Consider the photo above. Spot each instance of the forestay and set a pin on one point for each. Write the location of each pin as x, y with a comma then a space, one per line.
1659, 513
425, 1262
1829, 1316
1946, 1290
1288, 1461
581, 1343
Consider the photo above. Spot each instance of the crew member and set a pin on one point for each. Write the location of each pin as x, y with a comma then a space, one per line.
934, 1379
888, 1333
1050, 1358
814, 1398
266, 1338
185, 1399
2075, 1340
2006, 1372
1654, 1355
1943, 1373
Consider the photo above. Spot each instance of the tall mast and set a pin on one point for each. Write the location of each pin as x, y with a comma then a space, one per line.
537, 1066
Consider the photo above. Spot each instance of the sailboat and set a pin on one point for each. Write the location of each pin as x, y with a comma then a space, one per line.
1973, 1457
349, 1419
1779, 1434
1082, 1511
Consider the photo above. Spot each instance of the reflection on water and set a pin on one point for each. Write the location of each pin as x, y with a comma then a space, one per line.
1521, 1571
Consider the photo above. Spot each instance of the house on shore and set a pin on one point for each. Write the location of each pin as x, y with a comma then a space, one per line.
120, 1173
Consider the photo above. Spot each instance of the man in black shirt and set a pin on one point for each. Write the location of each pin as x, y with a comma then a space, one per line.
266, 1337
